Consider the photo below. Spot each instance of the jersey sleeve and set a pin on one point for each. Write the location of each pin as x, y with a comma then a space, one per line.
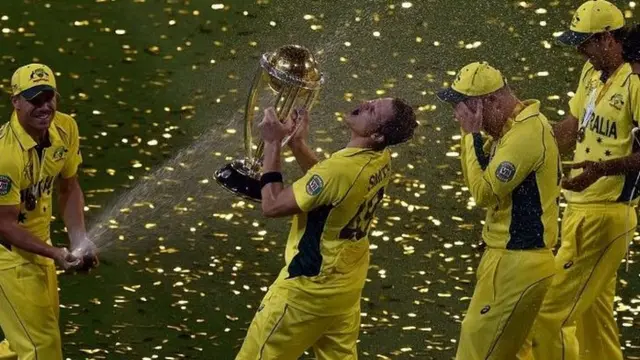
576, 103
324, 184
491, 179
11, 172
74, 159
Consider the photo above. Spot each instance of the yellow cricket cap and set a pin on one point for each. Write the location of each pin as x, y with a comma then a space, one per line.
31, 80
592, 17
475, 79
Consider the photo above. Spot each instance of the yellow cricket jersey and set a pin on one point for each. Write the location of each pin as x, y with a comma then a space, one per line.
608, 111
27, 175
327, 254
517, 178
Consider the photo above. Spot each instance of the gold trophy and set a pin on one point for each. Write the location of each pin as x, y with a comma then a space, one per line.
287, 79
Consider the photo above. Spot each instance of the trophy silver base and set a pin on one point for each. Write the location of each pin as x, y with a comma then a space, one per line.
240, 179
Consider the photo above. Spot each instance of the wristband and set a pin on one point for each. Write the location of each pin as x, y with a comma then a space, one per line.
270, 177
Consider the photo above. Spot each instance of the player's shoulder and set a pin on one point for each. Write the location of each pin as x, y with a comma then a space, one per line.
5, 131
530, 129
12, 154
65, 122
9, 144
633, 78
350, 161
587, 71
530, 117
344, 166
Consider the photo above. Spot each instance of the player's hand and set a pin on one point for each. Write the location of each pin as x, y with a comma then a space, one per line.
591, 173
272, 129
469, 115
300, 123
88, 252
65, 259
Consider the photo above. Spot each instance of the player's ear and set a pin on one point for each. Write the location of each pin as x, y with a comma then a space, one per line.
15, 101
377, 138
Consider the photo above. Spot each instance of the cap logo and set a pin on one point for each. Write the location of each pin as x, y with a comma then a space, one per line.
575, 21
38, 75
457, 80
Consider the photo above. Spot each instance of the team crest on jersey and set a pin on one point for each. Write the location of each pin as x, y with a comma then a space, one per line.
505, 171
60, 153
315, 185
617, 101
5, 185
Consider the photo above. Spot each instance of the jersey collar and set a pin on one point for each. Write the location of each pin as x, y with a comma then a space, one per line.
522, 112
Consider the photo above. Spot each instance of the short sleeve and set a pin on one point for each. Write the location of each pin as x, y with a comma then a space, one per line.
74, 158
576, 103
493, 178
515, 158
10, 179
324, 184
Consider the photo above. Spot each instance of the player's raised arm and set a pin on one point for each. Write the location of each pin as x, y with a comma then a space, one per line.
277, 200
305, 157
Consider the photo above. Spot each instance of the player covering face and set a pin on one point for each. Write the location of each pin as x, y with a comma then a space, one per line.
510, 163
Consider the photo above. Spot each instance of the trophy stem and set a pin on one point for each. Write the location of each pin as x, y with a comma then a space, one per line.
248, 111
281, 111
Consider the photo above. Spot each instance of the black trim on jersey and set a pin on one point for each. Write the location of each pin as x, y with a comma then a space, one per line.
308, 260
630, 185
5, 244
478, 145
526, 229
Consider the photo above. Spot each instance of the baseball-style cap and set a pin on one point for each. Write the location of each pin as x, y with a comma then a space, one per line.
31, 80
475, 79
592, 17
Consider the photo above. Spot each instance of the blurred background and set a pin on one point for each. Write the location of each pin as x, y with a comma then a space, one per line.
158, 88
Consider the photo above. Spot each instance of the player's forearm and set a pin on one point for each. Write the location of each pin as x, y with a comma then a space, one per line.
472, 160
566, 133
271, 163
304, 155
623, 165
14, 235
72, 208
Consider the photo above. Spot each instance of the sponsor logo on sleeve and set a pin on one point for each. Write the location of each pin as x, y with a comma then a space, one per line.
505, 171
315, 185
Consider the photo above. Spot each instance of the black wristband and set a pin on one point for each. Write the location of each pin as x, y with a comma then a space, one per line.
270, 177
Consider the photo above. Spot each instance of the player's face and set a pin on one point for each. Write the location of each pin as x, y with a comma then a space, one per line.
37, 113
493, 115
367, 118
597, 49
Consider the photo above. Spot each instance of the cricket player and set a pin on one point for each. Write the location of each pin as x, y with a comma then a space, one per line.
315, 301
576, 319
515, 173
39, 147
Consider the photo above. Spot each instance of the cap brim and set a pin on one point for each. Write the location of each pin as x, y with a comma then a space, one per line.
573, 38
451, 96
31, 93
